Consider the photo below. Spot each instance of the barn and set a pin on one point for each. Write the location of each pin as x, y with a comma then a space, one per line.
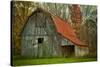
46, 35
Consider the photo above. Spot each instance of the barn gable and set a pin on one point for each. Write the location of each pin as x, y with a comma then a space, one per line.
39, 37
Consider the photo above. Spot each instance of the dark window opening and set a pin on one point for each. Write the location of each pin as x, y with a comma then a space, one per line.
40, 40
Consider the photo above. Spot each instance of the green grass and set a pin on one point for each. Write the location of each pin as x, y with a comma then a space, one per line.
34, 61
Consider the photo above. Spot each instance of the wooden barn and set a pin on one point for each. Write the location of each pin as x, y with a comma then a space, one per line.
46, 35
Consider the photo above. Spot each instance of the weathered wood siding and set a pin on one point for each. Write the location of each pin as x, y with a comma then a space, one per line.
40, 25
81, 51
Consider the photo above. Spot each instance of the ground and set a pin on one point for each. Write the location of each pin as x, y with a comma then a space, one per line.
18, 61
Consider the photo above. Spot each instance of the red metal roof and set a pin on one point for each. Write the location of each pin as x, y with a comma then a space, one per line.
66, 31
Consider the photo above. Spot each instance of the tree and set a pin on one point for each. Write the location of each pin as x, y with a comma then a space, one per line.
20, 12
89, 14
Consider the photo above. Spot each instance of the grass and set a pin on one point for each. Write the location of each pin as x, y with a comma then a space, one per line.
34, 61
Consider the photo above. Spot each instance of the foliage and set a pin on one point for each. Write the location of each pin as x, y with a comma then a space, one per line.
20, 12
90, 21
